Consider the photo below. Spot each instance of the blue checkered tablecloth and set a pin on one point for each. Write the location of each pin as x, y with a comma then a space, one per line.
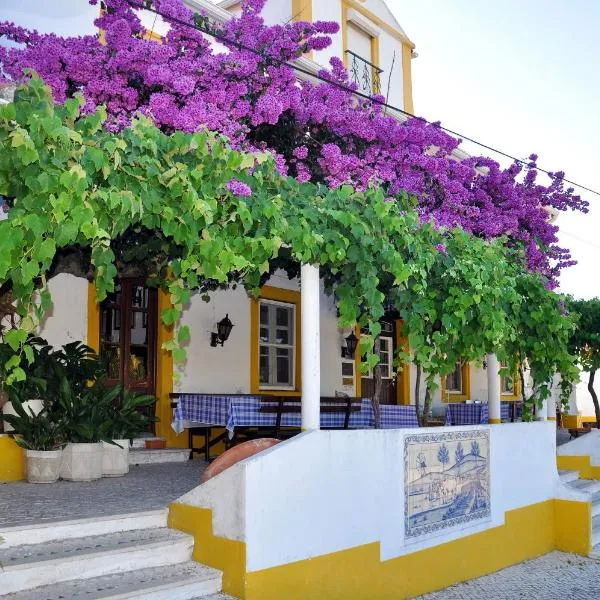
231, 411
461, 413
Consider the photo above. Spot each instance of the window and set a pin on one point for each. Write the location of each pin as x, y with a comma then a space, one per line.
456, 386
384, 348
454, 381
277, 350
509, 384
362, 54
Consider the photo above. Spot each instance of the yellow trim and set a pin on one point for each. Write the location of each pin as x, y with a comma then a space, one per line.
279, 295
495, 421
226, 555
517, 394
359, 8
357, 373
551, 418
164, 379
582, 464
12, 459
344, 25
407, 92
403, 377
466, 380
302, 11
359, 573
576, 421
93, 319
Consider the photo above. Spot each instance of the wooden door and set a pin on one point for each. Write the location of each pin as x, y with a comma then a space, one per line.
385, 346
128, 327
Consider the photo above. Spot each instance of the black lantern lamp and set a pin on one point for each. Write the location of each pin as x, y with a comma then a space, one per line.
351, 342
224, 327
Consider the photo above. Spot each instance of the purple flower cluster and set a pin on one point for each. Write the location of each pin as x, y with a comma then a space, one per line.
238, 188
316, 131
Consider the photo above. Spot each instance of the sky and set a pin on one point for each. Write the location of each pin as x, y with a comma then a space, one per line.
522, 77
519, 76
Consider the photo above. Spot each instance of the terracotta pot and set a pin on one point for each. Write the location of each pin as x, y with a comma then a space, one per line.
155, 444
235, 455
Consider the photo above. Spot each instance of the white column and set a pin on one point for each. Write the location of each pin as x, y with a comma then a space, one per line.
551, 407
541, 412
311, 347
493, 382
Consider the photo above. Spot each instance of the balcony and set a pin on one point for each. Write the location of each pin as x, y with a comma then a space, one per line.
364, 74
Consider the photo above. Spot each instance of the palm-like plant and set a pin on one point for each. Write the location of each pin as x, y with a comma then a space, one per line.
36, 431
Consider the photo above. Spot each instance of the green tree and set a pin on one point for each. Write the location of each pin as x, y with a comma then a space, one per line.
443, 456
584, 342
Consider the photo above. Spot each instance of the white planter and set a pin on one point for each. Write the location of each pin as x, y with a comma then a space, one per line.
36, 406
115, 460
43, 466
82, 462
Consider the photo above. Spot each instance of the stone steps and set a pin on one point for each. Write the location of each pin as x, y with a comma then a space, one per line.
184, 581
144, 456
592, 488
117, 558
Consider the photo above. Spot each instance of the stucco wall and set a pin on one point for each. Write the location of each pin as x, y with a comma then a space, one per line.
227, 369
67, 319
353, 492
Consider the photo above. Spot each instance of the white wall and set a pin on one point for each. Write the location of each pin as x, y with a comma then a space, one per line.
357, 477
67, 319
227, 369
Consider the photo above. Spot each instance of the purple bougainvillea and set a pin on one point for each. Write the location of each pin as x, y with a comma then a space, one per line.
316, 130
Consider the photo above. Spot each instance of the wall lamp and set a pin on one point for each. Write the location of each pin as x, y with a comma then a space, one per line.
350, 349
224, 327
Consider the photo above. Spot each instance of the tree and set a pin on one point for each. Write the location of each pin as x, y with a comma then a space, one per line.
316, 131
584, 342
443, 456
475, 448
459, 453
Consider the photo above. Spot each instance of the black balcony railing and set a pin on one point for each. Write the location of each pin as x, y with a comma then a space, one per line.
365, 74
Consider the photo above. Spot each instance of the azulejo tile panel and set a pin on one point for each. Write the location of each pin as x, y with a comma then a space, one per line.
447, 480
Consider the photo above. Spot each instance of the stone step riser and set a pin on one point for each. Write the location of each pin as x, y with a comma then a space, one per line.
184, 591
30, 575
569, 477
167, 455
38, 534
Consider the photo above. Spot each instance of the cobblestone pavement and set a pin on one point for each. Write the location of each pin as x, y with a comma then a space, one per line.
555, 576
145, 487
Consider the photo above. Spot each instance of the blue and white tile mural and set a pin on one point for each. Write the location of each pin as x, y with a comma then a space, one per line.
447, 480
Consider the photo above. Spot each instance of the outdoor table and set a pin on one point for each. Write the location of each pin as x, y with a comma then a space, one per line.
231, 411
461, 413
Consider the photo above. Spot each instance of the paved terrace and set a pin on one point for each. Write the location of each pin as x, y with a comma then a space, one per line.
145, 487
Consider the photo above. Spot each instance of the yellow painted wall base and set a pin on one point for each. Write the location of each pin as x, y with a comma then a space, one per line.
579, 463
358, 573
576, 421
495, 421
227, 555
12, 460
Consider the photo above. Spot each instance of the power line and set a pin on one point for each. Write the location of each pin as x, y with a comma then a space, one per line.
222, 38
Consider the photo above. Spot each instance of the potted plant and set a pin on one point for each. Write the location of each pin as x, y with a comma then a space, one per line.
86, 420
30, 393
126, 422
42, 438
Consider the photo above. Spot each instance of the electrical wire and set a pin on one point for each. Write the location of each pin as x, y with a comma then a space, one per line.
222, 38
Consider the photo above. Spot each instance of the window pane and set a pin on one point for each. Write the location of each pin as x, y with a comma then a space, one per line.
264, 334
283, 316
284, 371
264, 314
282, 336
110, 326
264, 365
454, 380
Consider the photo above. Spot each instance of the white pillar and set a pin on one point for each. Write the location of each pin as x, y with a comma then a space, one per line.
493, 382
551, 407
311, 347
541, 411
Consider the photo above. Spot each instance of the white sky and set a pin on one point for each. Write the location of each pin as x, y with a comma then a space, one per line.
520, 76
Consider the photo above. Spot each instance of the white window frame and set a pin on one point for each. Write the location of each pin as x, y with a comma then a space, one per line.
389, 373
293, 346
503, 392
